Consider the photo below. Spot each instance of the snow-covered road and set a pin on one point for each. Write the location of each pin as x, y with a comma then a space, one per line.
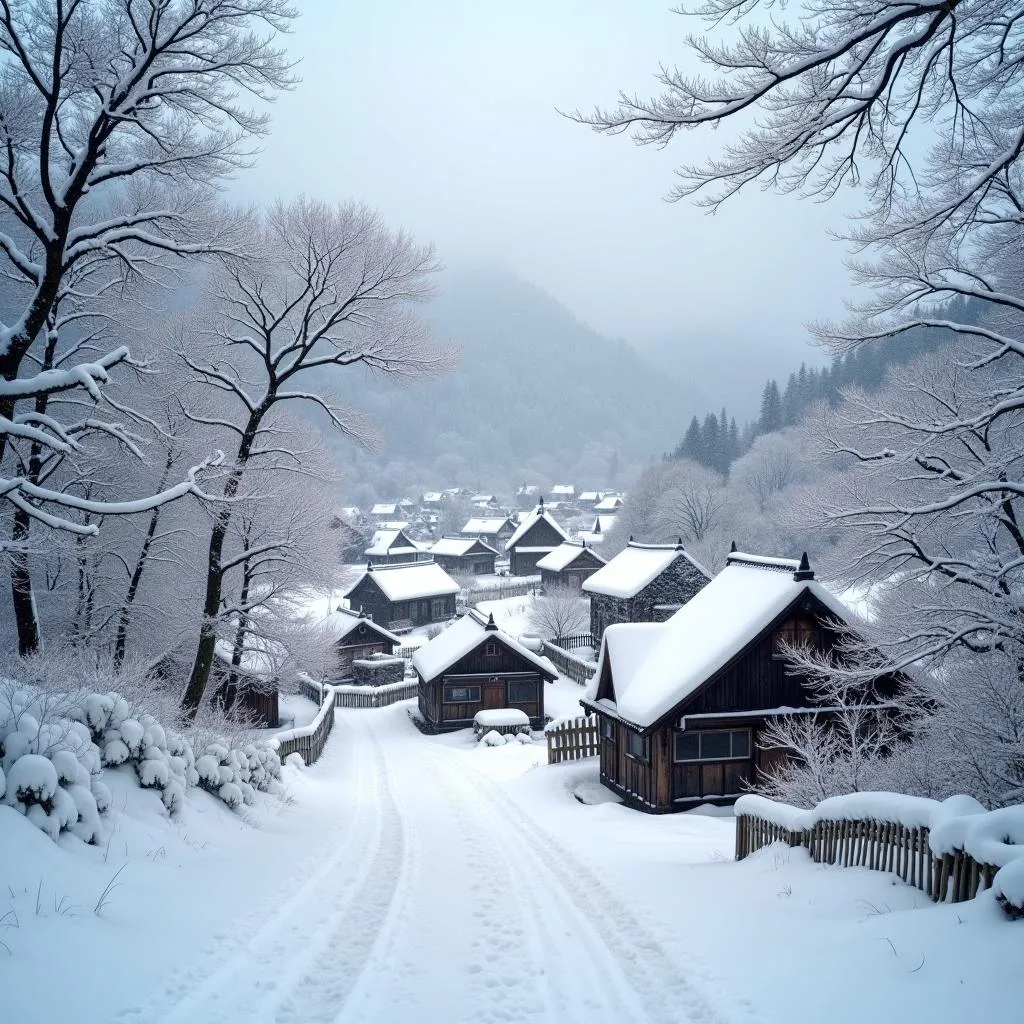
430, 896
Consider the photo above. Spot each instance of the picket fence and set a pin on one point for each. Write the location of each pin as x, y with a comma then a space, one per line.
347, 696
574, 643
568, 664
572, 740
878, 845
309, 740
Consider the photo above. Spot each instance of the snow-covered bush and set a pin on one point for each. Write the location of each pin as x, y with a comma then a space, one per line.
54, 747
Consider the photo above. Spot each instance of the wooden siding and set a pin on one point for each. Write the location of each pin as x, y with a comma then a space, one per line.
368, 596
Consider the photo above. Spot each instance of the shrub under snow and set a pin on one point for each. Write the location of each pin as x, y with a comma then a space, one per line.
53, 749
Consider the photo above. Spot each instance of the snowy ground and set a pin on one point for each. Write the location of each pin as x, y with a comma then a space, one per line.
420, 879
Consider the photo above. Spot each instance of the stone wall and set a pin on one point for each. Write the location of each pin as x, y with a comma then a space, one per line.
377, 670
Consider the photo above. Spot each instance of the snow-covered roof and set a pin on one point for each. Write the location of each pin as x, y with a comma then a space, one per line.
634, 567
394, 524
341, 622
590, 496
261, 657
383, 509
484, 525
408, 581
456, 547
655, 666
602, 524
464, 636
393, 542
565, 490
529, 521
483, 497
432, 498
609, 504
563, 556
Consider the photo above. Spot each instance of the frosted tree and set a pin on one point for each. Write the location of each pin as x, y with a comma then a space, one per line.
117, 117
562, 611
322, 288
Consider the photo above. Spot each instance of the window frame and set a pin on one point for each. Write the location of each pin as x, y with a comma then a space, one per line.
700, 733
794, 632
438, 608
445, 699
645, 757
521, 700
491, 649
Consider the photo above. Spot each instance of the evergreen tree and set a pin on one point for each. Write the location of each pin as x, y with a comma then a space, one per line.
770, 419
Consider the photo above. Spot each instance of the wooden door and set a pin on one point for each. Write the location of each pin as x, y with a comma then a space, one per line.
494, 696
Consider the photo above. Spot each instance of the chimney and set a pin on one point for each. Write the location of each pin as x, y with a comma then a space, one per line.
491, 624
679, 544
804, 571
732, 548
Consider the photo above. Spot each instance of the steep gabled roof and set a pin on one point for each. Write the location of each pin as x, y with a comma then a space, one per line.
384, 508
634, 567
342, 622
610, 504
391, 542
654, 667
564, 555
463, 637
487, 524
530, 521
409, 581
457, 547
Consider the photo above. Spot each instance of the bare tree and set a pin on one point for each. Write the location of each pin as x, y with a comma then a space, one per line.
562, 611
323, 287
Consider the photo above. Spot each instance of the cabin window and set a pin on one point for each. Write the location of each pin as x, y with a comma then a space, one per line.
491, 649
794, 633
401, 610
462, 694
608, 729
520, 692
639, 746
713, 745
437, 608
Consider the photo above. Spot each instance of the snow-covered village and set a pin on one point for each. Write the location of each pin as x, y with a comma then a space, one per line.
511, 512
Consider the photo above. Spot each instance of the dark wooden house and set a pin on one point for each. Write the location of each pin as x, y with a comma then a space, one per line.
468, 555
474, 666
536, 536
353, 636
569, 565
405, 595
493, 530
390, 546
248, 684
642, 583
681, 703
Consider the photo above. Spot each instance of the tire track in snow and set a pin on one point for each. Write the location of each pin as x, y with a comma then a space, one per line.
614, 936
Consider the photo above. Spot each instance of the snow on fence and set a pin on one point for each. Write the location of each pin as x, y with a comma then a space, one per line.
348, 696
951, 850
569, 665
405, 652
572, 739
574, 643
521, 588
309, 740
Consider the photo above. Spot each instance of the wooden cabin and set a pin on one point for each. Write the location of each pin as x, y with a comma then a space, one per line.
248, 683
468, 555
353, 636
405, 595
493, 530
536, 536
642, 583
569, 564
390, 546
681, 703
474, 666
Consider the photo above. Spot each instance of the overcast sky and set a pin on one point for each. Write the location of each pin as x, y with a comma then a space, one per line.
442, 114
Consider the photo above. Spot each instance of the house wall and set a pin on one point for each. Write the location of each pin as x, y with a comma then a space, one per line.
479, 564
676, 585
421, 612
541, 534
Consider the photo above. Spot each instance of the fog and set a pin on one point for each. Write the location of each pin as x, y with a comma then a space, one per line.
443, 115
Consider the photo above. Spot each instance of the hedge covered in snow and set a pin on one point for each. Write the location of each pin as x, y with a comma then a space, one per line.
53, 750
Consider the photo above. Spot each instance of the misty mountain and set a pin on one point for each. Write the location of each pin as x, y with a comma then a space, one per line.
537, 395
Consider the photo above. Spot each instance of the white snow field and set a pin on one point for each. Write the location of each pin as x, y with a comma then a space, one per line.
432, 879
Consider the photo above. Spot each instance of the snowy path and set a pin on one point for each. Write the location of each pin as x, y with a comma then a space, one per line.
432, 897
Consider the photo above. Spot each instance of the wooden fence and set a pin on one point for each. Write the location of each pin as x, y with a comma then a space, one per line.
574, 643
573, 740
346, 696
569, 665
879, 845
405, 652
519, 588
309, 740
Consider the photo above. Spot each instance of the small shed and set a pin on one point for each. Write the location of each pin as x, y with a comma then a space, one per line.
353, 636
464, 555
639, 578
536, 536
569, 564
681, 703
609, 504
390, 546
475, 666
405, 595
247, 680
